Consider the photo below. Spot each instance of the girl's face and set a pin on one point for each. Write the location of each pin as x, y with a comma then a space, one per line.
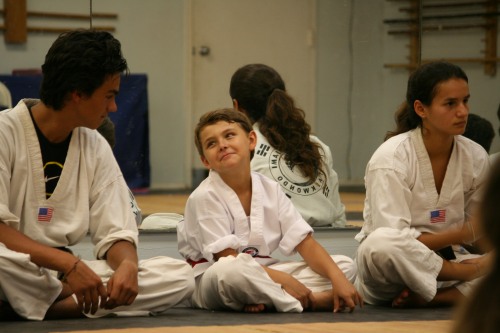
448, 112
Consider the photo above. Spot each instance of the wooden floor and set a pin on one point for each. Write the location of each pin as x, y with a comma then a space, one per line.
438, 326
174, 203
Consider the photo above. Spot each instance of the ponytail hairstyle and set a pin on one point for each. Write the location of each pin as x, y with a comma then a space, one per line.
261, 94
423, 86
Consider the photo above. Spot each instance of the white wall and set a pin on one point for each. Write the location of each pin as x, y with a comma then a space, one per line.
352, 83
356, 95
353, 46
152, 40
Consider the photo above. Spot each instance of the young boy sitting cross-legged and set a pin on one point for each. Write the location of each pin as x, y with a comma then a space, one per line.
234, 221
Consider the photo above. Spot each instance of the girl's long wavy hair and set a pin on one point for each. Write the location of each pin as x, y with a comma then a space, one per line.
260, 92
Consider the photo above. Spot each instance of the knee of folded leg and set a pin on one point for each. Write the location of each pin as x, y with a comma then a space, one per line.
231, 268
378, 246
350, 272
341, 260
382, 238
190, 284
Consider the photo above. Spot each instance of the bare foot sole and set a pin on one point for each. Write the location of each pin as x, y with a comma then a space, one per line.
254, 308
408, 299
7, 313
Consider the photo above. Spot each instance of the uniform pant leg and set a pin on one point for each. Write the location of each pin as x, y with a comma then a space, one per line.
312, 280
389, 260
29, 289
233, 282
163, 283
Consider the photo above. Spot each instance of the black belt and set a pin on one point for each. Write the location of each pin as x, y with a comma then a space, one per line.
447, 253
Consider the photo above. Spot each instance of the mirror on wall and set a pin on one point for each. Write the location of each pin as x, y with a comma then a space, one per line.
360, 63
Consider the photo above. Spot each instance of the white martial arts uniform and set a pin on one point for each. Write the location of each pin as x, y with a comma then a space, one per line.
91, 197
401, 203
215, 220
318, 202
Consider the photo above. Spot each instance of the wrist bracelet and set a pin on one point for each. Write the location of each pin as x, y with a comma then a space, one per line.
73, 268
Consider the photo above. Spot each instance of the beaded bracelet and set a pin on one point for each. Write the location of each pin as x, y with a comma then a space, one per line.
65, 276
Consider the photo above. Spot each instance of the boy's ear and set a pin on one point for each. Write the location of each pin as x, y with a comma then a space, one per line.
205, 162
235, 105
77, 96
252, 136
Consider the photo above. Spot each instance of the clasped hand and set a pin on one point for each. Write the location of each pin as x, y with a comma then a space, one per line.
122, 287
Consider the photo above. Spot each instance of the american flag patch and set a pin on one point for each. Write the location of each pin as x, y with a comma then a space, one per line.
438, 216
45, 214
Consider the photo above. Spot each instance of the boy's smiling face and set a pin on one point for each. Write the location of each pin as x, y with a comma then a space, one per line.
226, 146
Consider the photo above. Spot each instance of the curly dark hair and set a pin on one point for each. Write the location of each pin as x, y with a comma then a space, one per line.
79, 60
260, 92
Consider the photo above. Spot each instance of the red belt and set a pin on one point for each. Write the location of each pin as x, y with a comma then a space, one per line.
194, 263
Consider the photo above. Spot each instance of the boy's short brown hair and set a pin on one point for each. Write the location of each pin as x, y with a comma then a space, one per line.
212, 117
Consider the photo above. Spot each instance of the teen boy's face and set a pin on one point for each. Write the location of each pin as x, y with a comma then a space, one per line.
92, 110
226, 145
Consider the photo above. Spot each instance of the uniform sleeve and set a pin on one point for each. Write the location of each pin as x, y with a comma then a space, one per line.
112, 216
207, 217
339, 218
388, 198
294, 227
7, 138
479, 172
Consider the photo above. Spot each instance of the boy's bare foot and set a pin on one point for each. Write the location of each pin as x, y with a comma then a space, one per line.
254, 308
323, 301
64, 309
7, 313
408, 299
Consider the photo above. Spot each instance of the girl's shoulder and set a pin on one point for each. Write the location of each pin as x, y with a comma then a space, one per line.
470, 151
393, 149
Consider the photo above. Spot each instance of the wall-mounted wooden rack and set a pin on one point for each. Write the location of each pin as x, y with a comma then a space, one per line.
481, 14
16, 28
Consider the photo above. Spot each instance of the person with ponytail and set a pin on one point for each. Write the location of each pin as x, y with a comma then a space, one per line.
286, 151
422, 188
